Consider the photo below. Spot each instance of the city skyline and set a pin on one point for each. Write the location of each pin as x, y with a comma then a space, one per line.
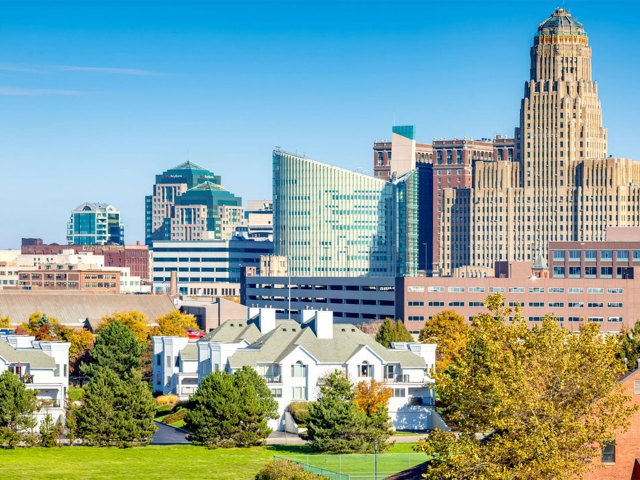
107, 101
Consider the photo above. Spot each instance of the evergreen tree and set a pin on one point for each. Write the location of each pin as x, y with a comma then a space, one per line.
116, 348
116, 411
629, 350
392, 331
231, 410
49, 432
17, 408
335, 423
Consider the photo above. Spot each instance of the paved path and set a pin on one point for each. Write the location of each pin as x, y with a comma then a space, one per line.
414, 473
168, 435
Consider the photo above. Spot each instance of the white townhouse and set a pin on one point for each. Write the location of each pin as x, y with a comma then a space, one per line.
42, 366
294, 357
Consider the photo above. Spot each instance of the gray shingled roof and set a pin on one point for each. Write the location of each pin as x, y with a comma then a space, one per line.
35, 358
234, 331
75, 308
189, 352
288, 335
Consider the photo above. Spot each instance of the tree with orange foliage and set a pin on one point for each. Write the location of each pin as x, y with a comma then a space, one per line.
371, 397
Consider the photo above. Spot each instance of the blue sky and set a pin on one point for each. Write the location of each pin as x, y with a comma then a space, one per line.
97, 97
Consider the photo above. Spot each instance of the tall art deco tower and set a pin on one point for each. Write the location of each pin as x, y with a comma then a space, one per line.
561, 185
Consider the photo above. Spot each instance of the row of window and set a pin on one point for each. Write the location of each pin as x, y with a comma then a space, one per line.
591, 255
435, 289
439, 303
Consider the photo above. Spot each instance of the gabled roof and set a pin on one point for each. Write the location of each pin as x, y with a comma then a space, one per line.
288, 335
189, 352
35, 358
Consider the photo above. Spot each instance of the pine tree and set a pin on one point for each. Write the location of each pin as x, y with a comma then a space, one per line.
17, 408
116, 348
116, 411
49, 432
231, 410
392, 331
335, 424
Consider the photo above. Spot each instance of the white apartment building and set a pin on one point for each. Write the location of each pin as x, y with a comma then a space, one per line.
43, 367
293, 356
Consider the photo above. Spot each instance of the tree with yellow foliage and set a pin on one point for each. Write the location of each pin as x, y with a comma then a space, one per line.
134, 320
372, 396
5, 321
175, 324
448, 330
543, 400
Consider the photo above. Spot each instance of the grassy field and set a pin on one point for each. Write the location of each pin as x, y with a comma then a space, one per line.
154, 462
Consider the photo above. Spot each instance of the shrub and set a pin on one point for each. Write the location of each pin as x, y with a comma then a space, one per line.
300, 412
285, 470
175, 417
167, 400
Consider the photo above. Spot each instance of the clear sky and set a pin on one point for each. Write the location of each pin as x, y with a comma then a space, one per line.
98, 97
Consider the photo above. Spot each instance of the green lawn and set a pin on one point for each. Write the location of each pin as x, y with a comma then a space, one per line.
154, 462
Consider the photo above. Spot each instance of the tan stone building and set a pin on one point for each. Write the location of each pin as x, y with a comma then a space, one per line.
561, 186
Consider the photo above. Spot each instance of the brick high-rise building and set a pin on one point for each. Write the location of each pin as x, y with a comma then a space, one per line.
560, 186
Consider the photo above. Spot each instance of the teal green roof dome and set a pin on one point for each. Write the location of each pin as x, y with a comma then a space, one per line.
561, 21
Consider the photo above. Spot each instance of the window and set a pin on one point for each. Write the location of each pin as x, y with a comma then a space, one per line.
589, 255
158, 359
476, 289
575, 319
276, 392
158, 379
516, 290
436, 304
416, 318
590, 272
399, 392
415, 289
606, 272
574, 272
365, 370
609, 452
496, 289
606, 255
556, 304
622, 255
536, 290
456, 289
596, 304
476, 304
416, 304
456, 304
614, 304
298, 370
558, 272
614, 290
389, 371
636, 255
558, 255
615, 319
595, 290
574, 255
536, 304
576, 290
299, 393
435, 289
556, 289
636, 387
576, 304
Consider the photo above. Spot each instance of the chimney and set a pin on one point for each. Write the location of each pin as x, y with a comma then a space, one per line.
173, 284
323, 324
265, 318
306, 315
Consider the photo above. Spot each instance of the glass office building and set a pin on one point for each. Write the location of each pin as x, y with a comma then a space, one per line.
95, 224
332, 222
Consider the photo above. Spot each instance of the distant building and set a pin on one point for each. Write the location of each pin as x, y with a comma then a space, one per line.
95, 224
353, 300
329, 221
620, 458
212, 314
43, 367
189, 203
293, 356
134, 257
79, 309
205, 268
258, 221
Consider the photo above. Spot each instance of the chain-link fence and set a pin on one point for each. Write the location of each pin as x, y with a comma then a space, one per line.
357, 466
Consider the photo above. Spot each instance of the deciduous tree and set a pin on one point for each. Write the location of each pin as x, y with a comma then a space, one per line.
5, 321
546, 399
17, 408
175, 324
449, 331
392, 331
134, 320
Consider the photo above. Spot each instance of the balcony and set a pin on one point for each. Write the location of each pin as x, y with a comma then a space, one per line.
402, 379
272, 378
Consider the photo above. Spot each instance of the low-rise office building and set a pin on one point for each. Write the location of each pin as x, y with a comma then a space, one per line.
293, 356
205, 268
43, 367
351, 299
